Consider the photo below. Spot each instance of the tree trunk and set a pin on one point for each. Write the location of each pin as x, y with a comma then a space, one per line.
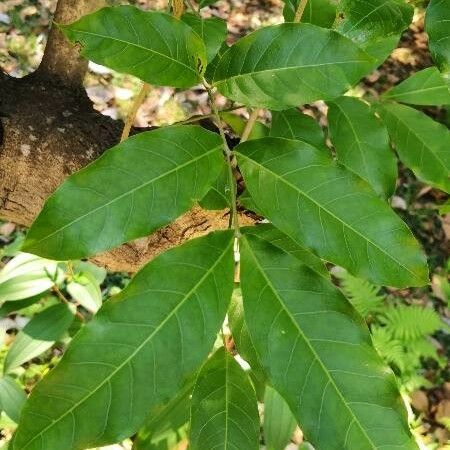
62, 60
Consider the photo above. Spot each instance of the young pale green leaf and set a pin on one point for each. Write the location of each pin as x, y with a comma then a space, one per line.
318, 354
279, 422
137, 352
135, 188
292, 124
98, 273
318, 12
224, 410
26, 276
328, 209
12, 398
43, 330
85, 290
218, 197
362, 143
273, 235
437, 21
426, 87
365, 21
421, 143
150, 45
213, 32
286, 65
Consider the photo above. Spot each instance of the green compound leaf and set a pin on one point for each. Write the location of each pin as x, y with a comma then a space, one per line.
318, 12
213, 32
427, 87
370, 20
152, 46
318, 354
421, 143
279, 423
137, 352
12, 398
292, 124
328, 209
43, 330
286, 65
224, 410
362, 143
135, 188
437, 21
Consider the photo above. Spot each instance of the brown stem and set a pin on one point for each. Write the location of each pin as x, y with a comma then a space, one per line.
133, 111
300, 11
178, 8
62, 59
249, 125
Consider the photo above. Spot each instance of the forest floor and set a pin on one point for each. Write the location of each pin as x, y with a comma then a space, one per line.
23, 28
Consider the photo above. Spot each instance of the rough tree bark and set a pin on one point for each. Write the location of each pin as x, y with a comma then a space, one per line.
49, 129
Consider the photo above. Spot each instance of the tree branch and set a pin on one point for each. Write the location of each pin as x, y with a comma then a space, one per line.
62, 60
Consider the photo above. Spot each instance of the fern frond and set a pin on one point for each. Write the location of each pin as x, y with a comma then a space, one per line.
414, 381
390, 349
409, 323
363, 295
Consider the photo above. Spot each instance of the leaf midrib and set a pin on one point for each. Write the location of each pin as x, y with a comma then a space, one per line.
112, 38
312, 349
119, 197
281, 69
330, 213
108, 379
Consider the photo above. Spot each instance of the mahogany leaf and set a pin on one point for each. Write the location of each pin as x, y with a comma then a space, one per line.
285, 65
224, 410
421, 143
137, 352
133, 189
328, 209
318, 354
153, 46
362, 143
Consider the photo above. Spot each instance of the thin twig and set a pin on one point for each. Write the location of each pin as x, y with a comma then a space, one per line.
249, 125
63, 298
133, 111
178, 8
229, 157
197, 118
300, 10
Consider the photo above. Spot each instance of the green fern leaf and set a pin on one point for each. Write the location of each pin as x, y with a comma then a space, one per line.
408, 323
363, 295
389, 348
